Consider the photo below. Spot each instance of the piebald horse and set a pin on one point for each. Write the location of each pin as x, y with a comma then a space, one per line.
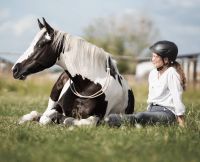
89, 89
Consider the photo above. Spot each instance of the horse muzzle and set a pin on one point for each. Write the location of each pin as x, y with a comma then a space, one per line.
17, 73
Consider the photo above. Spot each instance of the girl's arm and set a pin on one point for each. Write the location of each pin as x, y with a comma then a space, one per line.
176, 90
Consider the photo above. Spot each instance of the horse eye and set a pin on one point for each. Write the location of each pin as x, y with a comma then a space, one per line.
40, 45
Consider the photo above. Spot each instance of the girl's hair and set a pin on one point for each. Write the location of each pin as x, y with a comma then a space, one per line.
180, 71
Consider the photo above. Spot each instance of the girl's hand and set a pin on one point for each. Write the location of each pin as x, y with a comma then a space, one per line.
180, 120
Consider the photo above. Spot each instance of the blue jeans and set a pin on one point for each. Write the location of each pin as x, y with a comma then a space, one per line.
154, 115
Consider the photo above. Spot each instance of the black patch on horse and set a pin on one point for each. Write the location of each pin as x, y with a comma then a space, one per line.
77, 107
119, 80
112, 69
60, 47
58, 86
131, 103
113, 72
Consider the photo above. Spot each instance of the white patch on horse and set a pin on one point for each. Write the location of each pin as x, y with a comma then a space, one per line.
66, 86
118, 93
51, 105
79, 53
48, 116
90, 121
47, 36
29, 117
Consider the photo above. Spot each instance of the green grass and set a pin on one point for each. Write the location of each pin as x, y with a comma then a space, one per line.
34, 143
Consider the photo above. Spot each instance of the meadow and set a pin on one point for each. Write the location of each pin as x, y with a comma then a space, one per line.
31, 142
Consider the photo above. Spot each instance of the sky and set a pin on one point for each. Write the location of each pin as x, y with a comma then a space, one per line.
176, 20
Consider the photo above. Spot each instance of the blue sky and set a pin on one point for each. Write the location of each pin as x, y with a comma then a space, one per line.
176, 20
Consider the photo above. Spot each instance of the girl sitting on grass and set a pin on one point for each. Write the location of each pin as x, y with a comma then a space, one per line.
166, 84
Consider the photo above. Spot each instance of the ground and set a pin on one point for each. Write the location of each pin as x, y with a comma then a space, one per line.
34, 143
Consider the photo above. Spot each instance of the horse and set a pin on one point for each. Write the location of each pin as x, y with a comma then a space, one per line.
90, 87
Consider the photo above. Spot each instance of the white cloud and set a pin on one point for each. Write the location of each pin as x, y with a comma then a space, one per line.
5, 26
131, 11
176, 19
188, 30
177, 3
23, 25
4, 13
173, 7
18, 27
184, 3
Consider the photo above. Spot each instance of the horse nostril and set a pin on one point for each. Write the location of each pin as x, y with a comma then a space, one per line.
15, 69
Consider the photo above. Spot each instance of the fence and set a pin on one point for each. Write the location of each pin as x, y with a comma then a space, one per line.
190, 63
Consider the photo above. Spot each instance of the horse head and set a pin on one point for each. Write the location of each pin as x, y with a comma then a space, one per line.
40, 54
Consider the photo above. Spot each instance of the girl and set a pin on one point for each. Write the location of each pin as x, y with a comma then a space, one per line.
166, 84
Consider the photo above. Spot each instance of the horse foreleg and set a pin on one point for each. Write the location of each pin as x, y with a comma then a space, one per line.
48, 116
56, 92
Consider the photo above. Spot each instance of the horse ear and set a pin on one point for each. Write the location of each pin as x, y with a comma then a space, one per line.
40, 24
50, 30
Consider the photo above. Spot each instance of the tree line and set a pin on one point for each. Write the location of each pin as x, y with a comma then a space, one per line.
124, 35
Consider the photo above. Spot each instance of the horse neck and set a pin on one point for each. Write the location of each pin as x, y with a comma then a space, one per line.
83, 58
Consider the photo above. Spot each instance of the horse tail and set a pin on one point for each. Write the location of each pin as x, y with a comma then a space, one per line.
131, 103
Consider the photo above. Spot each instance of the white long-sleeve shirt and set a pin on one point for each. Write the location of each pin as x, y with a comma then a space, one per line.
166, 90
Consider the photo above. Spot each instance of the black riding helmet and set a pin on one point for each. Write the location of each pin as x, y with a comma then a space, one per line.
165, 49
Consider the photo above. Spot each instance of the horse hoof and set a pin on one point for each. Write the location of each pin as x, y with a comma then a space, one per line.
93, 120
114, 120
69, 121
44, 120
33, 115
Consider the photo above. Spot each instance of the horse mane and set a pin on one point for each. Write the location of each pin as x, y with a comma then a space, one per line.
81, 57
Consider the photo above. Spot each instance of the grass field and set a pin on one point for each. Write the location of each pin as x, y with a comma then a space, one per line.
34, 143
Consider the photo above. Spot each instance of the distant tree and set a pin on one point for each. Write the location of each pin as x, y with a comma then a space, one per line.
127, 34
